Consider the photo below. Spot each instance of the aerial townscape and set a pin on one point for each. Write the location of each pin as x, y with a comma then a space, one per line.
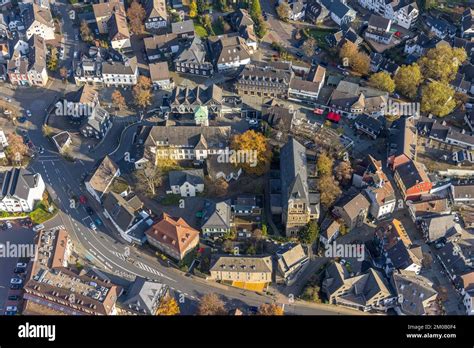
236, 157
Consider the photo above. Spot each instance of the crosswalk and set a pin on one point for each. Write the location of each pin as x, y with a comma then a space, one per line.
121, 256
138, 264
148, 268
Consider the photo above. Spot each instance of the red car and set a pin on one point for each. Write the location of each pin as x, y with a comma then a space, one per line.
83, 199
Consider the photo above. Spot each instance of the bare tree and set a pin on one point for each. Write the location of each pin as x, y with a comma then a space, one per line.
149, 178
211, 304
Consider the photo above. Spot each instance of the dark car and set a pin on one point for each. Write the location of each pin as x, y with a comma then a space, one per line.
323, 64
13, 298
3, 226
19, 270
253, 310
15, 286
89, 211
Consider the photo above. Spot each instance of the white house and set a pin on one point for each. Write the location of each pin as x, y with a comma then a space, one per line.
329, 232
156, 14
21, 190
187, 142
302, 90
120, 74
186, 183
3, 144
339, 11
230, 52
468, 301
160, 76
38, 21
401, 12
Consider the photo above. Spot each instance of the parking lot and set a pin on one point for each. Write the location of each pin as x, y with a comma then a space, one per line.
15, 241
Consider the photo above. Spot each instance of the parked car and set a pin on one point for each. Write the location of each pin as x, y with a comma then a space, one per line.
98, 222
21, 264
89, 211
93, 226
28, 113
19, 270
18, 281
38, 227
9, 225
13, 298
11, 308
82, 199
15, 286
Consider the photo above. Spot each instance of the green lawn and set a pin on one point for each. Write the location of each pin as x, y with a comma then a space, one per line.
320, 35
41, 214
170, 199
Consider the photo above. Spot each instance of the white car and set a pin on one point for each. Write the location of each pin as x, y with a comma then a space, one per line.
11, 309
21, 265
93, 226
28, 113
253, 122
9, 225
7, 112
16, 281
38, 227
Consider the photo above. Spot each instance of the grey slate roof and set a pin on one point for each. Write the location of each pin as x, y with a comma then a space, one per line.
18, 182
122, 210
439, 226
293, 172
189, 136
217, 215
192, 176
192, 54
337, 7
182, 27
97, 118
414, 292
144, 296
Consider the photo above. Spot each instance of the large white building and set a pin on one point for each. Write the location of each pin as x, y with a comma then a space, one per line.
21, 190
187, 142
38, 21
401, 12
